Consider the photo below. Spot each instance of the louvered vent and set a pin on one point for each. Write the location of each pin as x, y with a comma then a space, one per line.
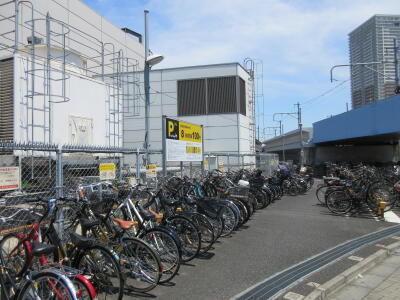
6, 99
192, 97
242, 99
214, 95
221, 95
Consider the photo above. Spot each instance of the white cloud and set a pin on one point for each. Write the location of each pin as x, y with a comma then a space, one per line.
201, 32
298, 40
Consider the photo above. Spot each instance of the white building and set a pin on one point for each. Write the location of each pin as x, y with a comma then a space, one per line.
54, 56
220, 97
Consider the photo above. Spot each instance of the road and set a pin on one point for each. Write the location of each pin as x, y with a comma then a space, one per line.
285, 233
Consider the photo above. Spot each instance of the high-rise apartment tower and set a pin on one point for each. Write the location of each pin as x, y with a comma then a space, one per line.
373, 41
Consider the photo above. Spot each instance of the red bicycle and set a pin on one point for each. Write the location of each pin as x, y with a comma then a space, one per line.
19, 250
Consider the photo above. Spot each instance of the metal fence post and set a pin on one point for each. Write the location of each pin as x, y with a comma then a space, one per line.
59, 173
202, 150
137, 165
181, 166
120, 167
243, 162
228, 163
164, 146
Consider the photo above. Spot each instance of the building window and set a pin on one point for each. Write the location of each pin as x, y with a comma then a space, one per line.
214, 95
397, 24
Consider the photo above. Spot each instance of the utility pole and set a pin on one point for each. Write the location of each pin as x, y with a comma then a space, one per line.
296, 115
283, 140
301, 133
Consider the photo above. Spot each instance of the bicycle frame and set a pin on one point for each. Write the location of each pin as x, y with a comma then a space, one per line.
35, 235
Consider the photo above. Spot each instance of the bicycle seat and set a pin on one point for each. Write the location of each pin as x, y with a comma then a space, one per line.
81, 241
42, 249
87, 224
125, 225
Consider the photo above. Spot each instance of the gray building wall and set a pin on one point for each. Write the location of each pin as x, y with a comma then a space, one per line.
371, 42
357, 153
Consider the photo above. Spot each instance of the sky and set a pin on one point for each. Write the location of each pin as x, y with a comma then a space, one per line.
293, 42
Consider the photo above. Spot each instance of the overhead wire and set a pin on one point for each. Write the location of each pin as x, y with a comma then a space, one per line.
325, 93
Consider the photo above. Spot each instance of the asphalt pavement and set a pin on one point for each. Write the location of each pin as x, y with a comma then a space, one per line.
285, 233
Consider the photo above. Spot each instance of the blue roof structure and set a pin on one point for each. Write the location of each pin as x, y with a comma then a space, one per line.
379, 118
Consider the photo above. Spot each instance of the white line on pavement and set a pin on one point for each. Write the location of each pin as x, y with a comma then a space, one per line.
390, 216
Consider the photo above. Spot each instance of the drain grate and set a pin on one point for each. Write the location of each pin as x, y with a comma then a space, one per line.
279, 282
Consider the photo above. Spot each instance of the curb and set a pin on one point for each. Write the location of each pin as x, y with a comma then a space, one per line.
350, 274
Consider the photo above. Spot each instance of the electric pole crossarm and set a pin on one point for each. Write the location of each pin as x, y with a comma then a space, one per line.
355, 64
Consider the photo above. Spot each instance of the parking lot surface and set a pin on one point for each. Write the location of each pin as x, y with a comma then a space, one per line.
285, 233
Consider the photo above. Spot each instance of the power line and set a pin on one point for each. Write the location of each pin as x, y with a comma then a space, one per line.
325, 93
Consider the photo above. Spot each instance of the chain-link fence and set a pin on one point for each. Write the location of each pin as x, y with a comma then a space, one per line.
42, 170
267, 162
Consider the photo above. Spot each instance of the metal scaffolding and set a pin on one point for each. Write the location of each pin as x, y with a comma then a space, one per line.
53, 52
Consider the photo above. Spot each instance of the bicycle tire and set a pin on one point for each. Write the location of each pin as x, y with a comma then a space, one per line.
338, 202
89, 262
168, 248
189, 235
19, 261
67, 289
142, 264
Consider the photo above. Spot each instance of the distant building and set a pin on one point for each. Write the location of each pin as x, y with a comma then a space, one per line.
372, 41
219, 97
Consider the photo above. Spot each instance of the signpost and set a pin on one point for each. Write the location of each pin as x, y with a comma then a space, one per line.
182, 141
9, 178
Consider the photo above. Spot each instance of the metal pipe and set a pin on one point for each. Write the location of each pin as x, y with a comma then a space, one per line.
137, 165
146, 86
351, 65
164, 146
48, 45
202, 150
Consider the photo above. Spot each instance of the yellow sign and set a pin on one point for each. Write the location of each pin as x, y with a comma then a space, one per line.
189, 132
151, 171
182, 131
107, 171
184, 141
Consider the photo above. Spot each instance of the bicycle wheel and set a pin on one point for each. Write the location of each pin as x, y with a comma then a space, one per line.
218, 225
338, 202
82, 290
378, 192
14, 254
244, 215
229, 220
189, 235
168, 249
293, 190
48, 285
206, 229
101, 266
320, 193
140, 264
